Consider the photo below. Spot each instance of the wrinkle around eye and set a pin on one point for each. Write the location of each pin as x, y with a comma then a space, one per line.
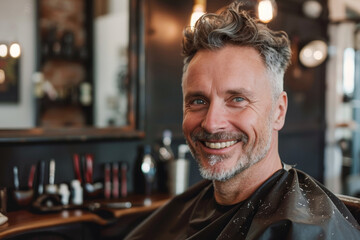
196, 104
238, 102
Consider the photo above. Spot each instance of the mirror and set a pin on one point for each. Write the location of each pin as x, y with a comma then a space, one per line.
79, 70
111, 63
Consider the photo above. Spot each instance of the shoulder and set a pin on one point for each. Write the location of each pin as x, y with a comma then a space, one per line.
299, 205
187, 198
173, 216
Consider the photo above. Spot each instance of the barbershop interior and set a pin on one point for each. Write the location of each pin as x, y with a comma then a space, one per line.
91, 106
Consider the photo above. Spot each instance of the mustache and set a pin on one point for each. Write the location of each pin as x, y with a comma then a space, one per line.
202, 135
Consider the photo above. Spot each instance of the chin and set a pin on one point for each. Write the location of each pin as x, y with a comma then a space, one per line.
219, 170
216, 174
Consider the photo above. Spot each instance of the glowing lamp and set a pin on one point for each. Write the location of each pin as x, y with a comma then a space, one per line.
15, 50
266, 10
198, 10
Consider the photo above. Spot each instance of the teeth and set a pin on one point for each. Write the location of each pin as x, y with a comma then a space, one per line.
219, 145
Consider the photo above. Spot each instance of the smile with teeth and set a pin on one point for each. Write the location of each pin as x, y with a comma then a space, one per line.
219, 145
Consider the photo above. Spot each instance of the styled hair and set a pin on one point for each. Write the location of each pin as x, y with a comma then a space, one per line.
235, 26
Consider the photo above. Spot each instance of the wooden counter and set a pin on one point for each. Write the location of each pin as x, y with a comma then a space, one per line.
23, 221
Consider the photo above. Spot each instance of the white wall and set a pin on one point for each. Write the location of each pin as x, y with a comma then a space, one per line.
17, 23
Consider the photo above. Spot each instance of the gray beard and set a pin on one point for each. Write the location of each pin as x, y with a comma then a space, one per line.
243, 163
249, 158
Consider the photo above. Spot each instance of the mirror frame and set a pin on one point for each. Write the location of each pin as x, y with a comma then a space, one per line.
135, 128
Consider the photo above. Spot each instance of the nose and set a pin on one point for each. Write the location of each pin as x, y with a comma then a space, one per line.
215, 119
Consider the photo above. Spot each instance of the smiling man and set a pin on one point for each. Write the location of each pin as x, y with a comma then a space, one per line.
231, 121
234, 105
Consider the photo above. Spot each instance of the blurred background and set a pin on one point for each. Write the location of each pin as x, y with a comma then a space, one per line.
104, 78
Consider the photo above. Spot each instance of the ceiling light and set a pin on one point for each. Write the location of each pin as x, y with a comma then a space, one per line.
313, 54
198, 10
266, 10
15, 50
3, 50
312, 9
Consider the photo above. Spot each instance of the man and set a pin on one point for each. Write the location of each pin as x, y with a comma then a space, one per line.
234, 106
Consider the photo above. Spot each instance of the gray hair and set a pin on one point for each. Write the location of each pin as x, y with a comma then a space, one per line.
235, 26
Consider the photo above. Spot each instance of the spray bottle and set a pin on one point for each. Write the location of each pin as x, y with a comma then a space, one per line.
179, 172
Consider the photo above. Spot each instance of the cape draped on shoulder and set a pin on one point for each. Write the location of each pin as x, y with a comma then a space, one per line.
289, 205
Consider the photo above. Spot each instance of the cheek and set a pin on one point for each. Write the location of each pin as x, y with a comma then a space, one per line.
244, 119
190, 122
248, 122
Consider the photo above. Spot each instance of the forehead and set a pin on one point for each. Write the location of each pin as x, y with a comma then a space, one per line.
226, 67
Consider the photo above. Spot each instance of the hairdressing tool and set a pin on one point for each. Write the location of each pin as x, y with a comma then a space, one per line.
123, 179
91, 189
41, 178
107, 190
114, 205
115, 180
22, 197
31, 176
16, 178
89, 160
52, 172
76, 162
51, 188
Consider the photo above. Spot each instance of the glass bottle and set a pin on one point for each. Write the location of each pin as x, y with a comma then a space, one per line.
165, 156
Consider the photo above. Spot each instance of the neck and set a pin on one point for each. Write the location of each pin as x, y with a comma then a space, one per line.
244, 184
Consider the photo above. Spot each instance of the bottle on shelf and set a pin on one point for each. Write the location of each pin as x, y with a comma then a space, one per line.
165, 151
64, 192
148, 169
165, 156
179, 172
77, 196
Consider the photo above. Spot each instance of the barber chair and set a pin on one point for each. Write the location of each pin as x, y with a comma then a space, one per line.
353, 204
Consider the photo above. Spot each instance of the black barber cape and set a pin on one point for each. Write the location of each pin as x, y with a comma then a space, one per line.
289, 205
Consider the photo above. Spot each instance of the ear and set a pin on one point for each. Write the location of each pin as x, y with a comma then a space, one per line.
280, 111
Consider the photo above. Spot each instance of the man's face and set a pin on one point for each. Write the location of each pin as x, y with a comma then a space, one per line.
227, 110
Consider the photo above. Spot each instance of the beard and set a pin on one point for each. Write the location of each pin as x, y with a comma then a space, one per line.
251, 154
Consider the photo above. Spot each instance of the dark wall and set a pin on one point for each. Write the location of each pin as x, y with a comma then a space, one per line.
166, 21
301, 141
25, 154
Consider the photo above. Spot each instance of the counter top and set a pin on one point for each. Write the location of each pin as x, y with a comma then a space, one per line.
23, 220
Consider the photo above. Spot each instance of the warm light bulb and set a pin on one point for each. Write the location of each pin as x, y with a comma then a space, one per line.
3, 50
198, 11
265, 11
313, 53
308, 52
15, 50
318, 55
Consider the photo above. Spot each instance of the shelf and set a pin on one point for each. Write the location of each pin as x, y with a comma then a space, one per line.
65, 58
77, 58
68, 134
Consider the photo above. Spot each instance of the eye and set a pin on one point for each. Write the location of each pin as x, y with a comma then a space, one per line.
238, 99
198, 101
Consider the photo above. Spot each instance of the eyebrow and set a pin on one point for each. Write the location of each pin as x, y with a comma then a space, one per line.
194, 94
238, 91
